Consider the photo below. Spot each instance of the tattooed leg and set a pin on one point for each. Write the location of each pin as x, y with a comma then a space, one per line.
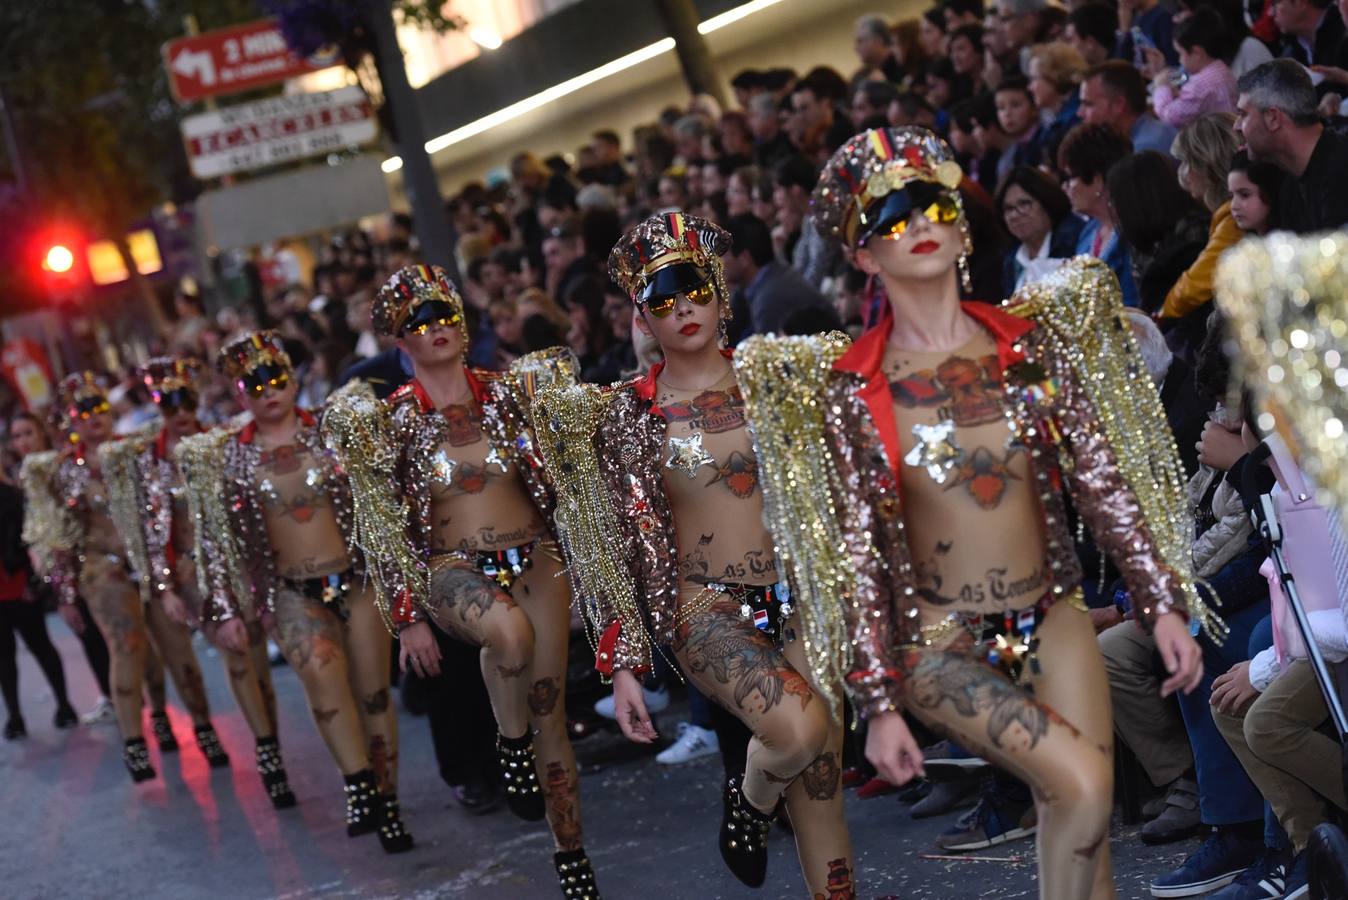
257, 651
310, 637
1068, 763
473, 609
156, 682
369, 648
245, 685
174, 643
739, 668
546, 600
814, 804
118, 613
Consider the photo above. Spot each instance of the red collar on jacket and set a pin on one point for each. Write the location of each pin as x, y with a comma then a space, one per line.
423, 399
161, 442
249, 431
645, 385
867, 354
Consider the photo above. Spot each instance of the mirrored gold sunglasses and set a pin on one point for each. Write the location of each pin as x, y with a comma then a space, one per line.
942, 211
664, 305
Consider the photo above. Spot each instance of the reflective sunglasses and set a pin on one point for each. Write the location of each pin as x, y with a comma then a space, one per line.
172, 402
450, 321
92, 406
664, 305
941, 211
257, 381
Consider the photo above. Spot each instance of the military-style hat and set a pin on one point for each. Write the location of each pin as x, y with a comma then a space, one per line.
671, 253
252, 351
414, 294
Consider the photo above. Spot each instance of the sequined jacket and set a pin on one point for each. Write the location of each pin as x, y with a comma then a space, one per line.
245, 536
419, 430
1058, 425
57, 499
140, 480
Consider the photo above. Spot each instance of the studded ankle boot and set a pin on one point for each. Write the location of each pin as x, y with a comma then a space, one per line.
519, 777
137, 758
575, 875
273, 772
744, 836
163, 732
364, 809
393, 834
211, 748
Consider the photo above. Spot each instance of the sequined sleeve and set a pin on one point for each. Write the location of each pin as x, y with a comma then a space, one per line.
49, 525
129, 504
220, 568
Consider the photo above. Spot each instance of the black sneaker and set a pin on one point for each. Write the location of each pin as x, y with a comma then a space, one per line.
1221, 859
1264, 880
995, 820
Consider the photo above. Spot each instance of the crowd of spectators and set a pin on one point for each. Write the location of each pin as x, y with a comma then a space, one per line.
1152, 135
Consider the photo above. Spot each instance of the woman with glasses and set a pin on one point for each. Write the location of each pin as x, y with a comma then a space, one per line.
661, 516
274, 536
1039, 216
1085, 157
149, 505
70, 523
453, 512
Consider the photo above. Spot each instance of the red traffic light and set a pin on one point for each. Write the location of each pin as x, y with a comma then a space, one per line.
58, 259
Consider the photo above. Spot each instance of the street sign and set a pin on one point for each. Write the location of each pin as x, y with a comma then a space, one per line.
229, 60
255, 135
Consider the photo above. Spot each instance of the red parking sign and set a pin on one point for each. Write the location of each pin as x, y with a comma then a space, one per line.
229, 60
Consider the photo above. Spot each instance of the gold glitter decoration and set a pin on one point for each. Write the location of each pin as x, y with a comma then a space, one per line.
565, 420
48, 524
128, 505
1079, 309
1286, 298
357, 427
687, 455
220, 565
783, 381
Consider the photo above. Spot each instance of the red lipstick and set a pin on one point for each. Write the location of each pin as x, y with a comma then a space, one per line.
440, 342
925, 247
690, 328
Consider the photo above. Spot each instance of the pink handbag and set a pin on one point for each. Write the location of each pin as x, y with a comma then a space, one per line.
1304, 525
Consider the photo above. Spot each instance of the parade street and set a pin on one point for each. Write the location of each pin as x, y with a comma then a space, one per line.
76, 828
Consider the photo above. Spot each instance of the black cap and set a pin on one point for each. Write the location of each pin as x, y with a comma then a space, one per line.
897, 206
679, 278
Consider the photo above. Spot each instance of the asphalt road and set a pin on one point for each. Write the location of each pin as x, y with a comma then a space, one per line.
73, 826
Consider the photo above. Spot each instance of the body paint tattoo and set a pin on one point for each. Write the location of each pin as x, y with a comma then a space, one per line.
839, 885
997, 585
324, 716
462, 595
965, 390
983, 477
375, 703
562, 789
822, 778
511, 671
714, 412
972, 690
463, 425
739, 473
722, 646
543, 696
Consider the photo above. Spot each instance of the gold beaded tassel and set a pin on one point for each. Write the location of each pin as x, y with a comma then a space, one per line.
1080, 309
357, 428
48, 525
1286, 299
565, 420
782, 380
201, 459
127, 504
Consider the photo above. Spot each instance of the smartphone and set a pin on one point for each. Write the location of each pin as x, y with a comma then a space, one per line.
1141, 43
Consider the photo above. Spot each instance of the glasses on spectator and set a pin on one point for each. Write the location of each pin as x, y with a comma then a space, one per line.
664, 305
1023, 208
942, 211
449, 321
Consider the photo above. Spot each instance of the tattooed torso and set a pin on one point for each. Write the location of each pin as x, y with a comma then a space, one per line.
976, 539
713, 487
100, 533
301, 523
478, 500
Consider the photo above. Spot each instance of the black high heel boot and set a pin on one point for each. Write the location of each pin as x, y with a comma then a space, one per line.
363, 808
744, 836
575, 875
273, 773
211, 748
519, 776
393, 834
163, 732
137, 758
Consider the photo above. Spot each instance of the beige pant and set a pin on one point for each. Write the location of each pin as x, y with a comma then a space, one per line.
1148, 723
1294, 766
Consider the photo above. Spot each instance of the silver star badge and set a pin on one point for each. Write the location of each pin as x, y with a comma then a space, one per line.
935, 450
494, 458
442, 467
688, 455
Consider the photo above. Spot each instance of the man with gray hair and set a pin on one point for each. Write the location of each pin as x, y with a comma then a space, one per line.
873, 44
1021, 23
1276, 115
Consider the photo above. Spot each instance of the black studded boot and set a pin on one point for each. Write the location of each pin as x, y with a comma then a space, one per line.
519, 776
744, 836
393, 834
137, 758
363, 807
163, 732
575, 875
211, 748
273, 773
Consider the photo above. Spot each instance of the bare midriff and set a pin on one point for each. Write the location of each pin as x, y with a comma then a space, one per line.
975, 534
712, 482
101, 537
306, 539
478, 499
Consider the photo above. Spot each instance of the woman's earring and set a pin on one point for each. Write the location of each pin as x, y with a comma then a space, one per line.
963, 265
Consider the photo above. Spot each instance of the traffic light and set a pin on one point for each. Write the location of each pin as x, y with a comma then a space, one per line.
59, 259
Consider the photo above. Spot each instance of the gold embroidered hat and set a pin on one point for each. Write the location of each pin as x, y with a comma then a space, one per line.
84, 394
171, 379
670, 253
882, 176
255, 350
415, 295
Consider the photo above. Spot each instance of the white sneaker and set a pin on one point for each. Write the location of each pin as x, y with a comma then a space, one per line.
656, 701
102, 712
693, 742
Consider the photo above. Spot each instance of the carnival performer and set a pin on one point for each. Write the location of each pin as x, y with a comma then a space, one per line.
952, 431
470, 548
661, 515
70, 524
150, 508
274, 519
